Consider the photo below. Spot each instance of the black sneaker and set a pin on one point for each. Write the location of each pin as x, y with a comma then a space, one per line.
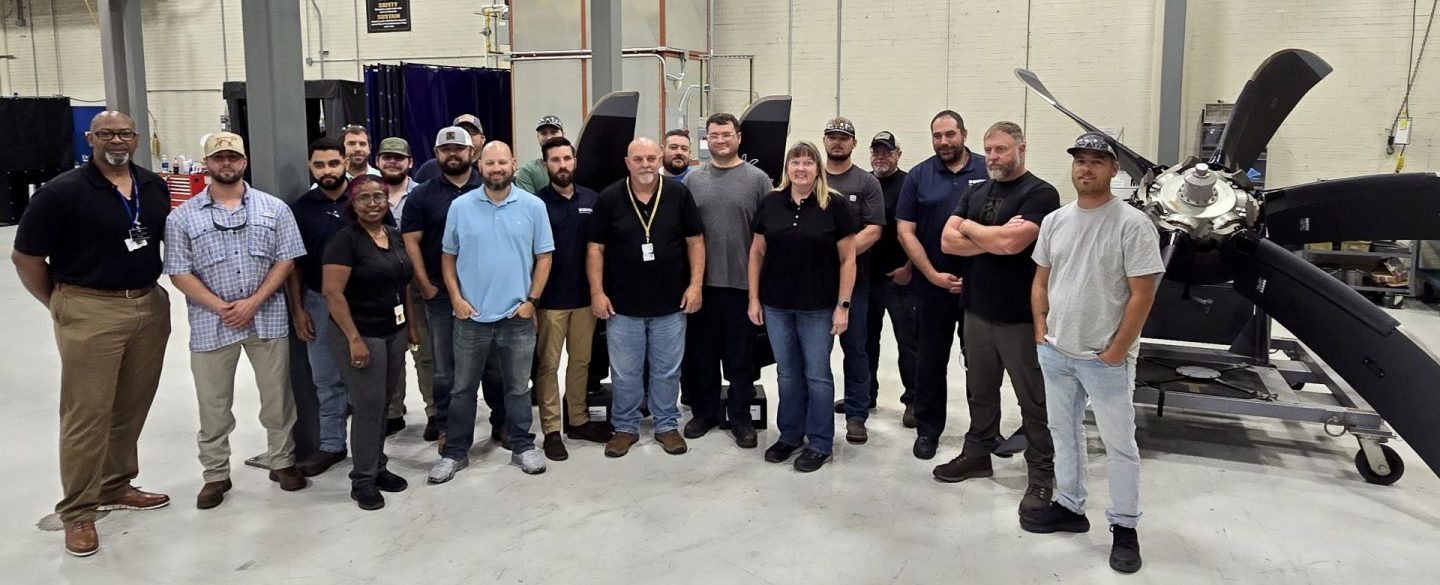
964, 467
924, 448
809, 461
779, 452
839, 407
554, 447
745, 436
1036, 497
432, 429
321, 463
698, 426
1054, 518
591, 431
501, 436
389, 482
1125, 552
367, 496
394, 425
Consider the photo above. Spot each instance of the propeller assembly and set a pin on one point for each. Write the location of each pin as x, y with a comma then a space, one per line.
1217, 227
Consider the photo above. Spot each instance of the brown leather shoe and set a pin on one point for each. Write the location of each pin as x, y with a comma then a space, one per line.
672, 442
212, 494
81, 539
289, 478
134, 499
620, 444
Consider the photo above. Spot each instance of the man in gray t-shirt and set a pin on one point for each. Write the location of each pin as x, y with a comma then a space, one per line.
1098, 263
727, 191
861, 191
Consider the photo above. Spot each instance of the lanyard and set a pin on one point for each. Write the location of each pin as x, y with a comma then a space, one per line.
132, 213
644, 223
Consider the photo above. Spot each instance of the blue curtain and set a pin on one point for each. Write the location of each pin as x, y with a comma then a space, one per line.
416, 101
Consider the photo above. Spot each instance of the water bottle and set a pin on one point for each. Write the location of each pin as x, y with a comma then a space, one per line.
165, 163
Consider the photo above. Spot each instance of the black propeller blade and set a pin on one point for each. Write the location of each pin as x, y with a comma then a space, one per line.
1362, 343
600, 150
1378, 207
1130, 161
766, 124
1266, 100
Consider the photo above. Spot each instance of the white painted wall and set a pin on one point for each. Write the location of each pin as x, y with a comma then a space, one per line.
901, 61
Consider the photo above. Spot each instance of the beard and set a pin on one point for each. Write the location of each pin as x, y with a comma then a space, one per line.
117, 158
562, 179
676, 165
839, 158
392, 178
1004, 170
330, 182
497, 181
882, 169
453, 166
645, 178
226, 178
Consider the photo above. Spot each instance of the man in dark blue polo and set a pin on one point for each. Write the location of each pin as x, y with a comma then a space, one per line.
318, 215
422, 227
927, 199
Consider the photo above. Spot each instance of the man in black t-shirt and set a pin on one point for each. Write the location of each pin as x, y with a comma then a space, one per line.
890, 274
646, 267
995, 224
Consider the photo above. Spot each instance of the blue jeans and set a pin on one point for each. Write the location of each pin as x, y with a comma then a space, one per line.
802, 341
508, 343
325, 373
1068, 382
857, 360
442, 320
630, 341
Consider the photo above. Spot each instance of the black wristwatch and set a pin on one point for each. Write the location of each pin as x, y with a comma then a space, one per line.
531, 300
845, 303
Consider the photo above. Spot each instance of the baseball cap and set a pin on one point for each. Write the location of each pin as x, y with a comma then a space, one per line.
884, 138
549, 121
1092, 141
395, 145
464, 120
222, 141
452, 135
841, 125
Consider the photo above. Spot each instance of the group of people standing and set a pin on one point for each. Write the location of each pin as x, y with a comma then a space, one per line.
488, 272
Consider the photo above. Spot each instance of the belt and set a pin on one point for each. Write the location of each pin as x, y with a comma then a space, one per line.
133, 293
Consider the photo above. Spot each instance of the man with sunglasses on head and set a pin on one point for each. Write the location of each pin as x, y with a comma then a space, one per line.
230, 249
88, 248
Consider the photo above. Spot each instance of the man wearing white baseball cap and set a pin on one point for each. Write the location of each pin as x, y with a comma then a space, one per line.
473, 127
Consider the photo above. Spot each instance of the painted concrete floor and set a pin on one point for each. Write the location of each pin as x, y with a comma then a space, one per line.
1225, 500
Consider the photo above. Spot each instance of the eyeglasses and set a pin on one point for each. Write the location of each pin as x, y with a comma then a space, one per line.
720, 136
245, 217
365, 199
108, 135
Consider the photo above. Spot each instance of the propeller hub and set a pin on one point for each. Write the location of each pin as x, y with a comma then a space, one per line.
1204, 203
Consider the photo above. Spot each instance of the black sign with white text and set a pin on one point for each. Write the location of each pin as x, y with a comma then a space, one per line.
388, 15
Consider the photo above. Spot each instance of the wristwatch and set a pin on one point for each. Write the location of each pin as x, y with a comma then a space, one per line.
845, 303
531, 300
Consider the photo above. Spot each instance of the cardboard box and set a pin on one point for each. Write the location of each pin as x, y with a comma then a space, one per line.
1355, 246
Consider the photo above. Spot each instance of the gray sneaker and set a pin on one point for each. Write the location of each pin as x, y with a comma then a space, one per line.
530, 462
444, 469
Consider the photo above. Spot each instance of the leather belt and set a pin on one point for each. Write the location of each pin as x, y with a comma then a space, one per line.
133, 293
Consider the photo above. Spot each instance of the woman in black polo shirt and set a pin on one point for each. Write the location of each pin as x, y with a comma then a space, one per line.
802, 268
366, 287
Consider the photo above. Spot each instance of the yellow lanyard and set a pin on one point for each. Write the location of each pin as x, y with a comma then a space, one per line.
655, 209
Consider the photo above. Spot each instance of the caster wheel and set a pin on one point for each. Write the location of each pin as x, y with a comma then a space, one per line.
1297, 385
1397, 467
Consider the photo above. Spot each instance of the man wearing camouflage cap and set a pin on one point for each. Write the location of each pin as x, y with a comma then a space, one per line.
532, 177
395, 160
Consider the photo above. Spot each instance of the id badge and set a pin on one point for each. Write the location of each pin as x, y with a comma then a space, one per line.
139, 238
647, 252
399, 314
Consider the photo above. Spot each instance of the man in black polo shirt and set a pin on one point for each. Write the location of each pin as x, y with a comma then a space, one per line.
431, 169
927, 199
890, 276
318, 215
99, 226
646, 267
995, 224
423, 227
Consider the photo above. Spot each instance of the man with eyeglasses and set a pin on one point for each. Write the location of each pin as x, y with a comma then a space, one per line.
318, 213
356, 140
727, 191
472, 126
88, 248
230, 249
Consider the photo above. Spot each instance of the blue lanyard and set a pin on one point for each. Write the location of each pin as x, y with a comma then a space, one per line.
131, 212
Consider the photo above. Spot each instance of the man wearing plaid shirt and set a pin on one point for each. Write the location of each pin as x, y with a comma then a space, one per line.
230, 249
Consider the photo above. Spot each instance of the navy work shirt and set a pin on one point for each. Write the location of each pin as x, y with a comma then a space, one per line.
425, 211
318, 217
568, 287
928, 198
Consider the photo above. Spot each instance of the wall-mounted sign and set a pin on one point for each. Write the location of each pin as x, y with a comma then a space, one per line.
388, 15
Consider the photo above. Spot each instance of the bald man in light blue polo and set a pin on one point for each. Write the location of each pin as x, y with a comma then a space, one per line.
495, 260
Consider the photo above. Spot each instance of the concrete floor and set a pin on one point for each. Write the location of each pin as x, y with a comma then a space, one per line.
1225, 500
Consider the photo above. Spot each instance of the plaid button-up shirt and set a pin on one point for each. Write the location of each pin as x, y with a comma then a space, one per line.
230, 252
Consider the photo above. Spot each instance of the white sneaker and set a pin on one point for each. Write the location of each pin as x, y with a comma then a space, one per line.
445, 469
529, 462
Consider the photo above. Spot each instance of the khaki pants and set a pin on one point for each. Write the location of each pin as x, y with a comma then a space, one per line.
215, 389
111, 352
574, 328
424, 358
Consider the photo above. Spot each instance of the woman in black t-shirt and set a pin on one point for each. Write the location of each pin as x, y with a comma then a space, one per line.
802, 269
366, 287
